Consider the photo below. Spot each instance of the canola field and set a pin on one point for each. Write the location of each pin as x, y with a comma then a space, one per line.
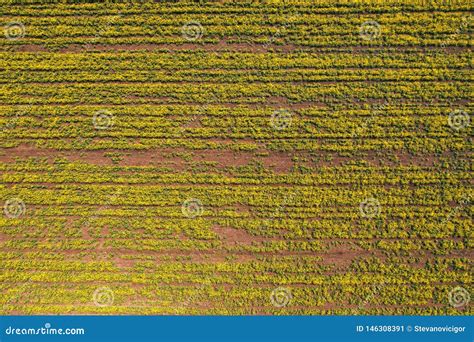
251, 157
